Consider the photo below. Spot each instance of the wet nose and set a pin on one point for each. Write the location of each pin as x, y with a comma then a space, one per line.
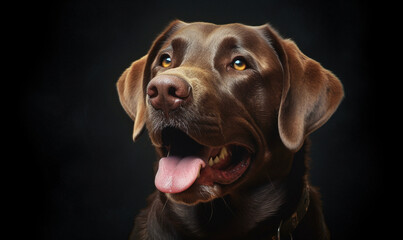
167, 93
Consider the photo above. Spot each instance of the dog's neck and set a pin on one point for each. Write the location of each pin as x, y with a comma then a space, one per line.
254, 213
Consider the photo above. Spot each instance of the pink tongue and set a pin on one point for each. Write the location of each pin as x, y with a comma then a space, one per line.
176, 174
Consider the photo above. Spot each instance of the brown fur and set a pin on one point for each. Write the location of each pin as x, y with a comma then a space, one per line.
270, 109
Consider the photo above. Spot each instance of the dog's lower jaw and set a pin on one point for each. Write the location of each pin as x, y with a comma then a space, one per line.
196, 194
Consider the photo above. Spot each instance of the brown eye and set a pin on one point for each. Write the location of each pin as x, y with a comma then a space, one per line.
239, 64
166, 61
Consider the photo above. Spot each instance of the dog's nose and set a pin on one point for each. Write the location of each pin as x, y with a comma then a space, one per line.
168, 92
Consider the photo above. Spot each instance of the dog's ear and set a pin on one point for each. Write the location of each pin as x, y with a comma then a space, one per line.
131, 85
310, 93
130, 89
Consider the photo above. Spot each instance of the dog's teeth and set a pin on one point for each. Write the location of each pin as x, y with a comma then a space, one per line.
221, 156
210, 162
223, 153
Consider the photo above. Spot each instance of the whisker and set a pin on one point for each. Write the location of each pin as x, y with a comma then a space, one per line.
228, 207
166, 201
212, 210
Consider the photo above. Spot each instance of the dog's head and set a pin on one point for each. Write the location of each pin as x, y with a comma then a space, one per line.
224, 106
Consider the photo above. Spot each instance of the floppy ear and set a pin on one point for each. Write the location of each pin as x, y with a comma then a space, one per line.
130, 89
310, 96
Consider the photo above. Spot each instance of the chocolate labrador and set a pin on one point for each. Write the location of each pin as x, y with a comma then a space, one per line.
228, 109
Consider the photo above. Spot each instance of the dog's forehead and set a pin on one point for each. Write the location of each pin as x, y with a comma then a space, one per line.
210, 34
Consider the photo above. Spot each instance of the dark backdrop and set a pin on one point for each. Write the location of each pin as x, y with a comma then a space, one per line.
80, 174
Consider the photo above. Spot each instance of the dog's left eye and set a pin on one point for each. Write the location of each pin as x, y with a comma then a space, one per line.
239, 64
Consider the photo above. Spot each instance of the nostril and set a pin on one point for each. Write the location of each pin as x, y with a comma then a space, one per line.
172, 91
152, 91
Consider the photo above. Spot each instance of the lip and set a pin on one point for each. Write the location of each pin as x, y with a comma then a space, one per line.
225, 169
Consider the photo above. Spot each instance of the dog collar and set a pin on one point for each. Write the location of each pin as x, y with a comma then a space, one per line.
287, 226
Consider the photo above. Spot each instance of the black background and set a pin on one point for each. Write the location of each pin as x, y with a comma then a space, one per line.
79, 174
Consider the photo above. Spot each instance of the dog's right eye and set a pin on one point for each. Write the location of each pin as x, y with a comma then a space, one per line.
166, 61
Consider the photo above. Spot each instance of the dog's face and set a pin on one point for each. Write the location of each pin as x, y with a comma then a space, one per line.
224, 106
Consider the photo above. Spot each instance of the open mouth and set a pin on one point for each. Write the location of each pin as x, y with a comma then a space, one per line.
188, 162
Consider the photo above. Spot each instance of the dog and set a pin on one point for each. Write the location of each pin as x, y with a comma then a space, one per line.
229, 109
